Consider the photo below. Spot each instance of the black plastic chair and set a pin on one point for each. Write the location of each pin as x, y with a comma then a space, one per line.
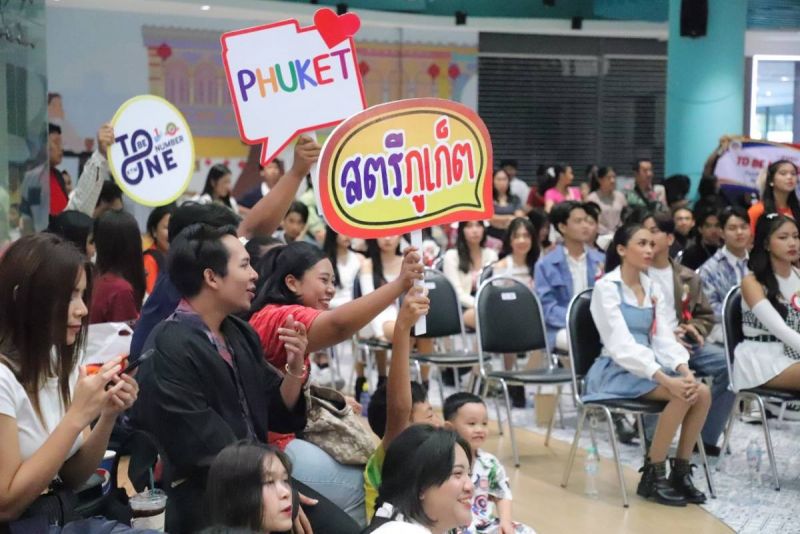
584, 348
733, 335
444, 320
365, 345
509, 319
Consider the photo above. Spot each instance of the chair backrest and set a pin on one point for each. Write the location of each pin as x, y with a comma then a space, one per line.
486, 273
732, 331
508, 317
357, 286
583, 339
444, 317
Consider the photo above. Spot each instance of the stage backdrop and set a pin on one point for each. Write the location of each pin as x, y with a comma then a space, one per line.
97, 59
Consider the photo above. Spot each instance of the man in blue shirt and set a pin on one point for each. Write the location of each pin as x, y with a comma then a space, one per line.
569, 269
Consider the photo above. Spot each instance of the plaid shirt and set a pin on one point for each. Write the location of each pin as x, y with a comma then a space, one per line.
719, 275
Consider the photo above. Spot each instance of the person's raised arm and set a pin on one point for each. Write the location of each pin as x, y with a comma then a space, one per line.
334, 326
762, 308
95, 172
398, 390
266, 215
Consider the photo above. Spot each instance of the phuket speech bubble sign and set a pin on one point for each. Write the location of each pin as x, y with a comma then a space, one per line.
285, 80
152, 158
404, 166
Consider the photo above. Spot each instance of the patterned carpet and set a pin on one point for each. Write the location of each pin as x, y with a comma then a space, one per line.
744, 506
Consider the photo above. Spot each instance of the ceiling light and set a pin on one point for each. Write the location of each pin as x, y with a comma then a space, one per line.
205, 8
768, 93
784, 78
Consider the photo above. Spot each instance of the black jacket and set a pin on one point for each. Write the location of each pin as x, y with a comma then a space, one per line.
189, 400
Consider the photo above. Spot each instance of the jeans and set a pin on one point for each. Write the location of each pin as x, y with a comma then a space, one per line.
708, 360
342, 484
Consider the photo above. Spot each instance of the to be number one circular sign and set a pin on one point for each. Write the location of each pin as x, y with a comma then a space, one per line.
152, 158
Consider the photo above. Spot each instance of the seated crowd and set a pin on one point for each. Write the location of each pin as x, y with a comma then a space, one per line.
234, 307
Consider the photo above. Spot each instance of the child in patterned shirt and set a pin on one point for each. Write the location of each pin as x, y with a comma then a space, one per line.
491, 504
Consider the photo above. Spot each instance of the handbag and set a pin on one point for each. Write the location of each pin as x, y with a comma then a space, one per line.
334, 427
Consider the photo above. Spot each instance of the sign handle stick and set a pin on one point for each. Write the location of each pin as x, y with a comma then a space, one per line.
416, 242
314, 172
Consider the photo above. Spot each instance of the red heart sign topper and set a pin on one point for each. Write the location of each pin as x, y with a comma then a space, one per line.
336, 28
285, 79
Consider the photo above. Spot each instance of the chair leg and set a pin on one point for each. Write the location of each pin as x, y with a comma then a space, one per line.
781, 415
485, 385
440, 381
550, 428
642, 440
418, 370
510, 424
336, 363
768, 438
614, 448
560, 410
575, 440
704, 459
726, 447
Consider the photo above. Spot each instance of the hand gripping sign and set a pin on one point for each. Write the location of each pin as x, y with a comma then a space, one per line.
285, 80
152, 158
404, 166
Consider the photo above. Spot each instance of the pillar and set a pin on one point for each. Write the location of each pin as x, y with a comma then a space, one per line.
705, 86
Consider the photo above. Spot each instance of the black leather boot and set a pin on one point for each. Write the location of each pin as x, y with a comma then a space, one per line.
654, 485
680, 478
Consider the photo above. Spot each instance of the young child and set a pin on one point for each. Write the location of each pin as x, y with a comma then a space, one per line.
395, 406
491, 499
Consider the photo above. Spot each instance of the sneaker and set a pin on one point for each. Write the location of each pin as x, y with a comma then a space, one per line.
792, 412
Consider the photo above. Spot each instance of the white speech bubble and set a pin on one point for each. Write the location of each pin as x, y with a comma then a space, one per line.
285, 80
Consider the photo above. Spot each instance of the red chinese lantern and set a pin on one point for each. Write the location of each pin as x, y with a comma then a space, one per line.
433, 71
208, 162
454, 72
363, 67
164, 51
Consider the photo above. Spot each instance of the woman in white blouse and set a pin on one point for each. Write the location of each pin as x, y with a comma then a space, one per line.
770, 352
641, 358
346, 265
462, 265
520, 252
47, 401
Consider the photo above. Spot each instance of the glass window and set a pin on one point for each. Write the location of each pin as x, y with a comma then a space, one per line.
773, 109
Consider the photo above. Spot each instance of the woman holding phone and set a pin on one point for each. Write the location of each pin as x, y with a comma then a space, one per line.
47, 401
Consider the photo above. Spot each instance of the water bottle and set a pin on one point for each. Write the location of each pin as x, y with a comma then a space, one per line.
591, 466
363, 399
754, 454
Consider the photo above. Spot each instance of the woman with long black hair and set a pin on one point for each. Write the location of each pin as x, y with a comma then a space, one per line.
462, 265
642, 359
770, 353
780, 193
120, 287
47, 401
218, 188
